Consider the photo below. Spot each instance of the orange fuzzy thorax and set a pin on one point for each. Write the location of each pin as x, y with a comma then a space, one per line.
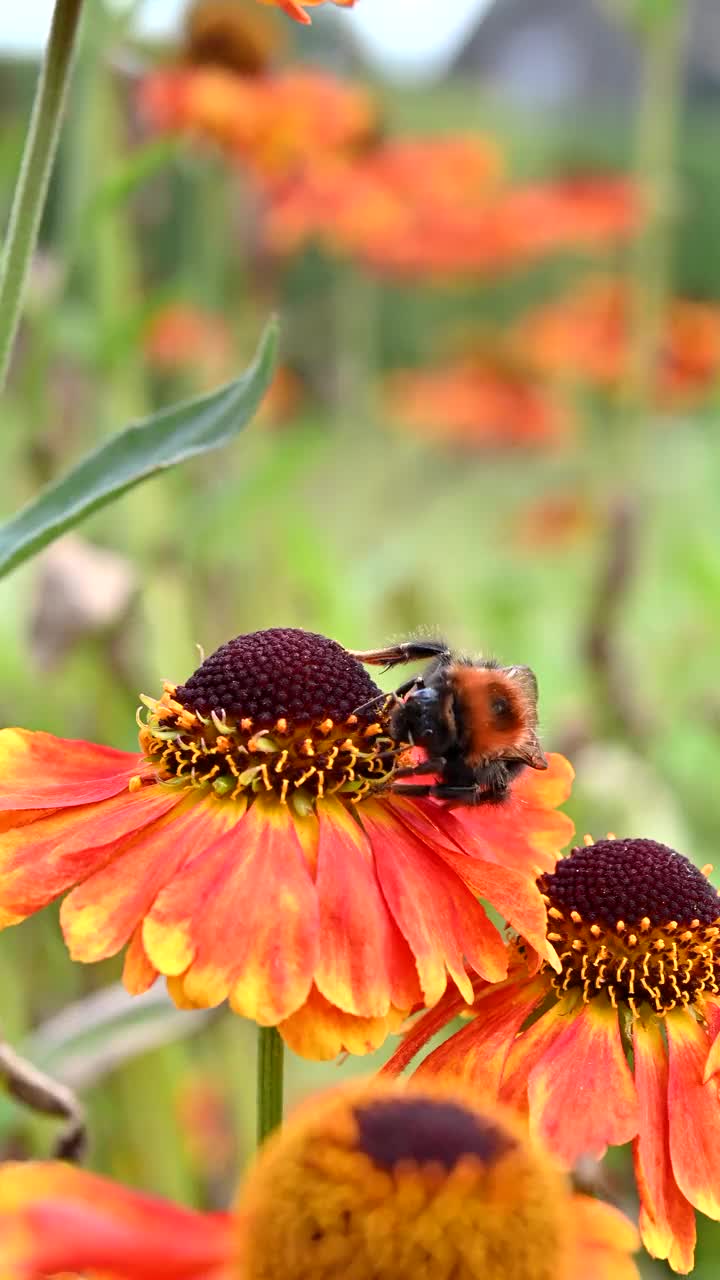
493, 736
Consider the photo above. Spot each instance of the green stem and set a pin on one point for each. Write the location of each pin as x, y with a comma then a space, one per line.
38, 155
270, 1054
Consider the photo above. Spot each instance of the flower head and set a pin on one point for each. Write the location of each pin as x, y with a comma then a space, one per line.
585, 336
478, 405
278, 124
439, 208
235, 34
254, 850
637, 929
374, 1181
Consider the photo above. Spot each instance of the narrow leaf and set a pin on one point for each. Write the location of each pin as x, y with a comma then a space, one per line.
137, 453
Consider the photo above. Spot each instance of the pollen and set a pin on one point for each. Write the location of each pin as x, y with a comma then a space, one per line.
636, 921
281, 711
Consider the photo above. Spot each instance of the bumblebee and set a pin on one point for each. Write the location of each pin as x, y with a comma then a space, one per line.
476, 720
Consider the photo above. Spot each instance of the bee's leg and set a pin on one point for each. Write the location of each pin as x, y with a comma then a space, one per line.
394, 654
28, 1084
415, 770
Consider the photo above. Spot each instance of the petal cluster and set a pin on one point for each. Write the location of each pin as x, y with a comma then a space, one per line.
271, 864
647, 980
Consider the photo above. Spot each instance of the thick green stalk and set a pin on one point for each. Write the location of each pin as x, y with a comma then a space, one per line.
270, 1063
38, 156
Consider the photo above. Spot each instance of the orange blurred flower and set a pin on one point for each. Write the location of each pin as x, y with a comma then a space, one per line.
585, 337
186, 339
478, 405
297, 11
438, 208
371, 1180
277, 124
181, 337
630, 1026
554, 522
254, 850
204, 1115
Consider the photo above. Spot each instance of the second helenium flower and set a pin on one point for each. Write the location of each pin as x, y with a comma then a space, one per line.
254, 850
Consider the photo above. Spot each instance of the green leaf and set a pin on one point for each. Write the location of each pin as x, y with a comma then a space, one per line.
136, 454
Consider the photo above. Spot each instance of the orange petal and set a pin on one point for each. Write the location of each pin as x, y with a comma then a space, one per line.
437, 914
241, 920
527, 1050
604, 1239
694, 1113
22, 817
526, 831
40, 861
40, 771
422, 1029
667, 1221
581, 1094
138, 973
712, 1017
54, 1218
365, 964
98, 917
295, 10
513, 894
477, 1052
321, 1031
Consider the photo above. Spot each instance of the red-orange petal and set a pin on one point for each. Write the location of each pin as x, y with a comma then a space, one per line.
139, 974
321, 1031
241, 920
477, 1053
421, 1030
603, 1241
436, 913
55, 1218
99, 916
40, 771
513, 894
581, 1094
40, 861
667, 1220
526, 831
365, 965
694, 1114
712, 1017
527, 1050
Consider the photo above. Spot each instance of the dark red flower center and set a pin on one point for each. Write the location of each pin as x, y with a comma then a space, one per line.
635, 920
283, 672
628, 879
427, 1131
282, 711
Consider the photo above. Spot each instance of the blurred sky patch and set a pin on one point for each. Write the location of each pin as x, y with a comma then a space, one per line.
403, 36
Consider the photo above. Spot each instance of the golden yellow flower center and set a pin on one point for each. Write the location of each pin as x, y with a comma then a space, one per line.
635, 921
381, 1182
280, 711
